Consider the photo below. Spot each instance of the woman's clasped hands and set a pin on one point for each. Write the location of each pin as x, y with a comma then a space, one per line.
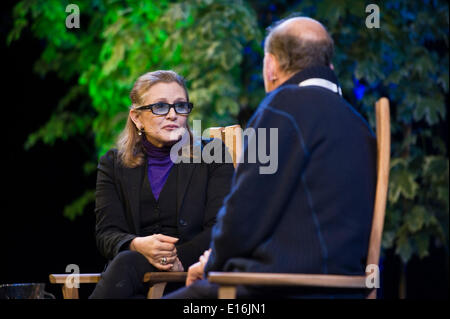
159, 250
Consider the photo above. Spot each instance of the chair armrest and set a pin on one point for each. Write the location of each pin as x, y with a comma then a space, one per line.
69, 291
157, 277
84, 278
276, 279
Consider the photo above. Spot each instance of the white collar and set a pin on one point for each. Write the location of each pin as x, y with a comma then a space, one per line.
323, 83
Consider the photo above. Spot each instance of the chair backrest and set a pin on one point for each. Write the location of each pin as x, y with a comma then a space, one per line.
383, 132
231, 137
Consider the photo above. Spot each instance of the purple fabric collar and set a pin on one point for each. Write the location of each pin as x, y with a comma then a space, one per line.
159, 165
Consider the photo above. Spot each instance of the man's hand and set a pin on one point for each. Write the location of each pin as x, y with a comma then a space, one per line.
204, 258
196, 270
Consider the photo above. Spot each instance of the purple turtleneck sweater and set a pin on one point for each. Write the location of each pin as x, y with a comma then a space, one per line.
159, 165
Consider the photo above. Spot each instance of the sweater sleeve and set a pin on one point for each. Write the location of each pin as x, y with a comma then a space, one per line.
112, 231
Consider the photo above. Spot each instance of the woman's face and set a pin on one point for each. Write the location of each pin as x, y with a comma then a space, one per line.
166, 129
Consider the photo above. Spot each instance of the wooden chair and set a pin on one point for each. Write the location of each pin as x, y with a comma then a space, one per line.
157, 281
67, 283
228, 281
232, 137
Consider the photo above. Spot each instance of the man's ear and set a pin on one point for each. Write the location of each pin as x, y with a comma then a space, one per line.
271, 67
332, 66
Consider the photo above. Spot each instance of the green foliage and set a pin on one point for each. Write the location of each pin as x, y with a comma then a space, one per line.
406, 59
120, 40
78, 206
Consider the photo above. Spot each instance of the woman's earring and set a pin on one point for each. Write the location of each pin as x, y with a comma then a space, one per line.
140, 131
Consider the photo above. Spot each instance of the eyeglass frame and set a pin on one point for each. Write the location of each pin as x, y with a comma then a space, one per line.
150, 107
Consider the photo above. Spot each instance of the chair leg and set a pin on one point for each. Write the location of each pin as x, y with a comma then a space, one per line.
372, 294
227, 292
156, 291
69, 293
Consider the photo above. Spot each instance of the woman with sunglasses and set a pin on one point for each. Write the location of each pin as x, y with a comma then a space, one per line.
153, 214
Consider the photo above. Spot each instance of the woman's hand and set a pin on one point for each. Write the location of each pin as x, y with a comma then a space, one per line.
177, 266
159, 250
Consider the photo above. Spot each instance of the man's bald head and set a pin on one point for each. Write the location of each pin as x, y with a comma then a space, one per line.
298, 43
302, 27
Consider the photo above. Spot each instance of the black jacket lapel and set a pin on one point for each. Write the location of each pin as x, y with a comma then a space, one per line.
185, 171
186, 167
132, 178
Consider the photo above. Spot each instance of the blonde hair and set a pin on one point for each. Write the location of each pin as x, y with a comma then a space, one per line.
129, 142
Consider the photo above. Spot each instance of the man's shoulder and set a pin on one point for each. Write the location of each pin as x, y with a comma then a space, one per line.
283, 94
294, 94
293, 99
306, 104
288, 100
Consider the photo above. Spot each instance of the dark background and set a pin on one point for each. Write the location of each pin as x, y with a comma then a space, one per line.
38, 183
37, 239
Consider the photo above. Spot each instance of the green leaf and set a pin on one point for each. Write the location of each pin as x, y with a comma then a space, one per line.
402, 182
436, 166
422, 242
416, 218
89, 167
388, 239
431, 109
404, 248
77, 207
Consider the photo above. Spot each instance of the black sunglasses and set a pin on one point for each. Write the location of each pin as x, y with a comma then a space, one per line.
162, 108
